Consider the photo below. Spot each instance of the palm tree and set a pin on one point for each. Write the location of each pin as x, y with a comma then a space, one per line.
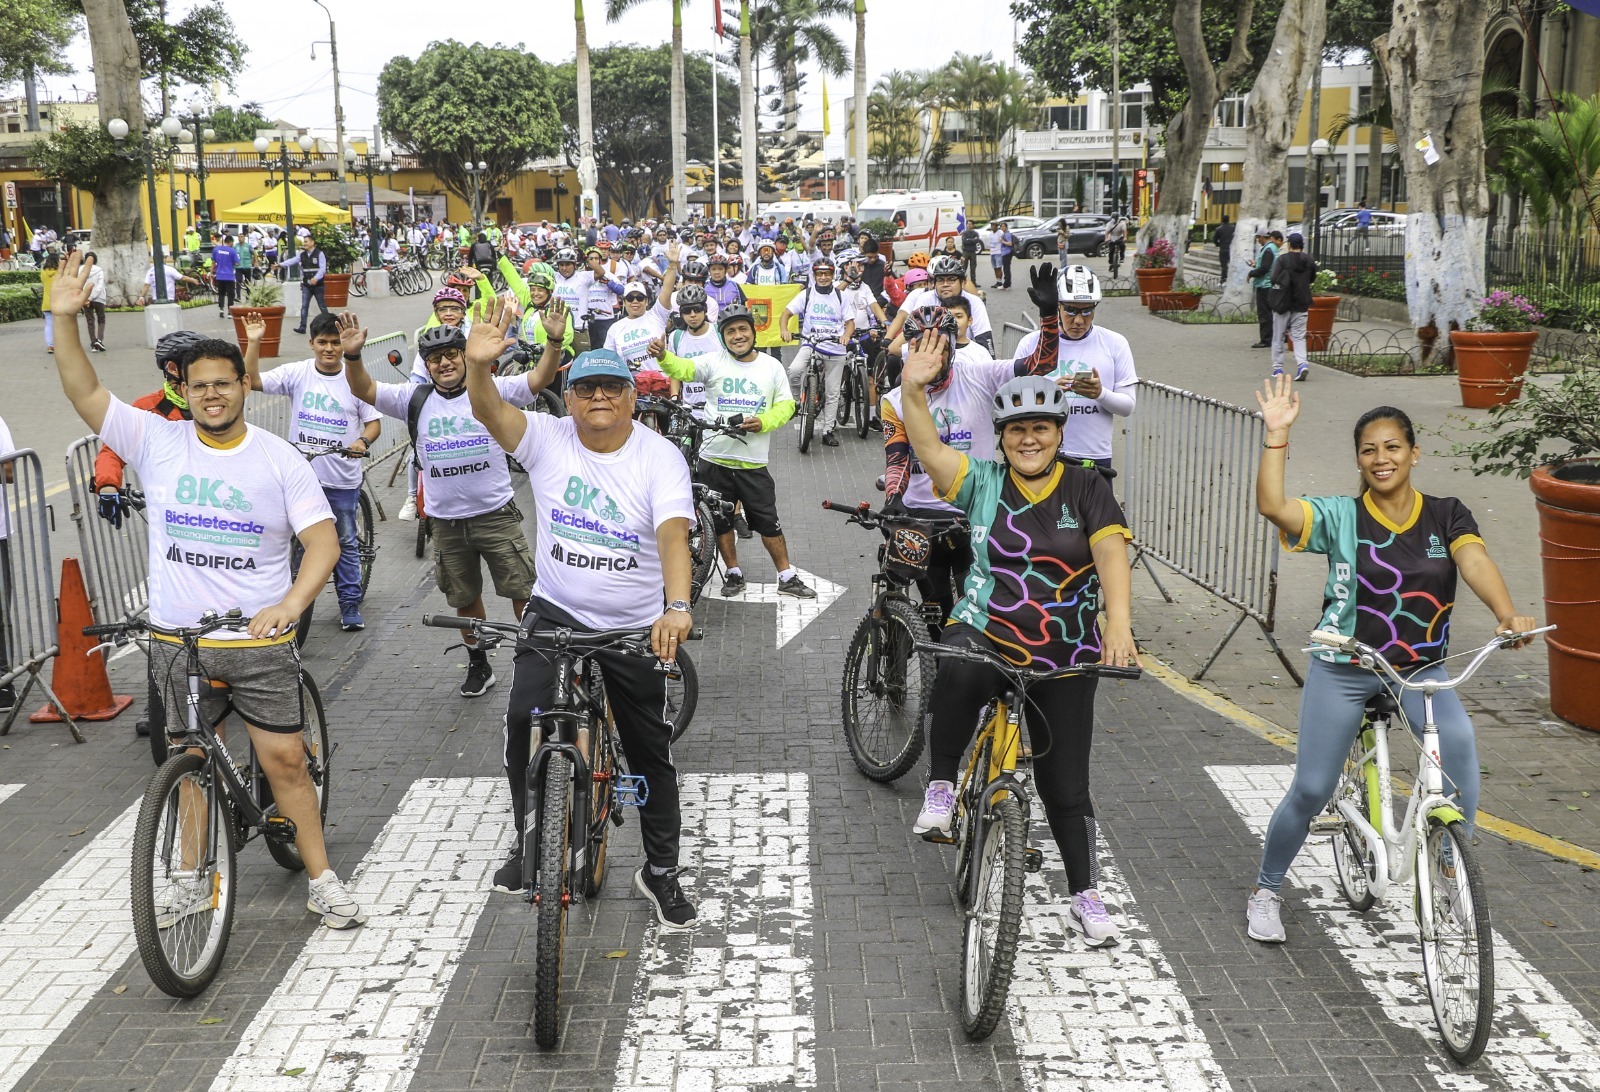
588, 175
680, 151
860, 134
894, 117
793, 33
1554, 161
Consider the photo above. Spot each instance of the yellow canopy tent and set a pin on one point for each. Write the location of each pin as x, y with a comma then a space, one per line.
268, 208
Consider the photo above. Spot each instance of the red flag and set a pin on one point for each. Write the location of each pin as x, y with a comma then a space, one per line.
718, 5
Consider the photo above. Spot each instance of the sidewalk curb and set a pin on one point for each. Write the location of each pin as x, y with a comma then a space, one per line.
1282, 737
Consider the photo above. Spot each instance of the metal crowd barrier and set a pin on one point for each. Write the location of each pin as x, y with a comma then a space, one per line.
116, 562
1004, 352
27, 584
1190, 501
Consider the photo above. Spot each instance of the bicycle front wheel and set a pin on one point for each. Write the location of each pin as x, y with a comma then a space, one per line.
683, 694
314, 737
989, 948
602, 794
551, 888
1353, 860
366, 537
810, 406
702, 550
847, 396
863, 409
183, 877
886, 682
1457, 940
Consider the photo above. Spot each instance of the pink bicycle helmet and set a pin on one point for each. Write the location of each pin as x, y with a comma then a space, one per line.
915, 277
449, 295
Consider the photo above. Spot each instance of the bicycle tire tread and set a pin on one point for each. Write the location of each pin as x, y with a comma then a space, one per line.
550, 883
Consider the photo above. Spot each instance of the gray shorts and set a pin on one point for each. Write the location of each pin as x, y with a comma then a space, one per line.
262, 682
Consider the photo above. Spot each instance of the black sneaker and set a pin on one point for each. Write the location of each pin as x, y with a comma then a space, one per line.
508, 878
8, 695
829, 440
733, 586
796, 588
673, 909
480, 677
875, 425
740, 527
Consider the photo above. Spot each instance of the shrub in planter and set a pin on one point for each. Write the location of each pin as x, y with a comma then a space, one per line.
340, 248
264, 298
879, 229
1154, 268
18, 302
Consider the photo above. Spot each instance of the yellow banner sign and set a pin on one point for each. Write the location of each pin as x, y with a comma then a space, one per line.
766, 303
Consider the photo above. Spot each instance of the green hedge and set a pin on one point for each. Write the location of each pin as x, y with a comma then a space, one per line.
19, 276
18, 303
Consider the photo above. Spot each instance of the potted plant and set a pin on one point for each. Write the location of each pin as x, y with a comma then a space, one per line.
1324, 309
339, 247
1183, 297
1492, 352
264, 298
1552, 436
1155, 267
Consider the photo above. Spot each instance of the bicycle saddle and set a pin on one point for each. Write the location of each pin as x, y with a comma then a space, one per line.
1382, 705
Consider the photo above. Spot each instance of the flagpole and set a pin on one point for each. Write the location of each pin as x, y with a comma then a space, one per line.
716, 138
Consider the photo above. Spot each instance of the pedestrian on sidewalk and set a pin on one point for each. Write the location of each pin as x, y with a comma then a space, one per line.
1261, 281
1008, 246
970, 241
1290, 300
995, 261
225, 266
47, 276
1224, 240
95, 310
313, 265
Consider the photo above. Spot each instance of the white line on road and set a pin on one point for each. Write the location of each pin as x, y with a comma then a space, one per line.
1092, 1018
730, 1004
1539, 1040
62, 945
8, 791
794, 614
355, 1009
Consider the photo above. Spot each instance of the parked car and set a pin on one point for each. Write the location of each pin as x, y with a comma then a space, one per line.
1085, 235
1386, 224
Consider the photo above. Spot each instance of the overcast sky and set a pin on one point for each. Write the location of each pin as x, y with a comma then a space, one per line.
281, 75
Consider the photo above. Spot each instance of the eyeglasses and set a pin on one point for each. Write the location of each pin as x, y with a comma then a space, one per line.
219, 386
1078, 312
586, 389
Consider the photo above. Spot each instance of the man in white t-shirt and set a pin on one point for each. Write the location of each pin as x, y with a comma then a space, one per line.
947, 276
172, 277
614, 508
465, 483
827, 322
324, 414
223, 499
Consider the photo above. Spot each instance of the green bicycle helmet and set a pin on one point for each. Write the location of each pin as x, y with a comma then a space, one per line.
541, 275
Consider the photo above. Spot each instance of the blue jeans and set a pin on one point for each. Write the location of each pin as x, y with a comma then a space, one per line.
308, 292
1330, 716
347, 573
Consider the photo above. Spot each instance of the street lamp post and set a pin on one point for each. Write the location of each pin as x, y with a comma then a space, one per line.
371, 165
475, 175
556, 173
202, 134
144, 152
306, 143
1222, 169
1319, 150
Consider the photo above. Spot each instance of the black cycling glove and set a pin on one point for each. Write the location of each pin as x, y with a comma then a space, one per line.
113, 506
1043, 293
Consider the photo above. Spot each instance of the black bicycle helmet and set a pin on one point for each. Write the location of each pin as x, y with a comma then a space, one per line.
172, 346
733, 312
822, 261
695, 270
436, 339
690, 295
947, 265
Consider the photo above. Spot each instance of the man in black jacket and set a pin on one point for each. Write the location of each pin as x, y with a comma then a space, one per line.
1290, 299
1260, 283
1224, 240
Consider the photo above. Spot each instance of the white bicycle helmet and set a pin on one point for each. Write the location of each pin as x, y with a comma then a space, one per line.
1078, 284
1028, 397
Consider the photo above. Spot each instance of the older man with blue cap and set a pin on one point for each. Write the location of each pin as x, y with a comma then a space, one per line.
614, 507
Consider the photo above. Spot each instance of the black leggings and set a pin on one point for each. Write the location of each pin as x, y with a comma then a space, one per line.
637, 693
1060, 718
227, 294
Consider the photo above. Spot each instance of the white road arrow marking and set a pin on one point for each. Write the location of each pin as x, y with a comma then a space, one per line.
1539, 1041
794, 614
8, 791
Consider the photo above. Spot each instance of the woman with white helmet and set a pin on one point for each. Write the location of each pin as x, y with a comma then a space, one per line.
1049, 553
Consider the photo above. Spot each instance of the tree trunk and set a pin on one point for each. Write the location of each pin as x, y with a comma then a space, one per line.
680, 146
120, 244
1433, 60
1274, 108
1186, 132
791, 94
860, 131
588, 176
747, 116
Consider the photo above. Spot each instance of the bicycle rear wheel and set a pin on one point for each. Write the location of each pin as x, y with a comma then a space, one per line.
602, 795
702, 550
366, 538
423, 534
847, 395
551, 887
683, 694
358, 284
886, 681
1457, 940
989, 948
314, 737
1353, 861
183, 877
863, 408
810, 406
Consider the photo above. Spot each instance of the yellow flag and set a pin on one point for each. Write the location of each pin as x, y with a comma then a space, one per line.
766, 303
827, 127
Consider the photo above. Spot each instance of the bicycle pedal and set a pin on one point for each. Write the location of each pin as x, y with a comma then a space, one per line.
1032, 860
1326, 826
279, 829
633, 791
938, 838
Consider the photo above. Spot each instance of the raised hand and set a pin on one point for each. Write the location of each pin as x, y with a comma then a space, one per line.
69, 294
488, 339
1280, 404
925, 360
1043, 293
554, 319
352, 335
255, 327
673, 250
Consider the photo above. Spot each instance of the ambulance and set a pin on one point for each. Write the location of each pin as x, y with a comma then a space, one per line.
924, 219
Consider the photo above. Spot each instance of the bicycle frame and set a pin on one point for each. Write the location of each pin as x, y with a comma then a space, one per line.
559, 726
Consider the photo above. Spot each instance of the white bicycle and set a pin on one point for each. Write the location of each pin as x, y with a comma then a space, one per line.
1427, 848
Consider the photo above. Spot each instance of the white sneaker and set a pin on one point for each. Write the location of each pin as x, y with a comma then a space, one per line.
938, 808
1089, 915
408, 511
1262, 919
329, 898
181, 901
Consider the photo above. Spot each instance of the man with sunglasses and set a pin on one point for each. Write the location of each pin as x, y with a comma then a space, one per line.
615, 505
475, 522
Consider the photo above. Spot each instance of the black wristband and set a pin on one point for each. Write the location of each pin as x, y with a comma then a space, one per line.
355, 357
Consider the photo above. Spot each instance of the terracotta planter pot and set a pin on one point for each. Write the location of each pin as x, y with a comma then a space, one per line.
269, 341
1490, 366
1154, 280
1174, 301
1319, 322
1568, 500
336, 290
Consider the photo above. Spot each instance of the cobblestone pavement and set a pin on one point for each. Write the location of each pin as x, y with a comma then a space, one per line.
830, 953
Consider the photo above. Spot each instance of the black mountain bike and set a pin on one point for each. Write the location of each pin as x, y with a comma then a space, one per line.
678, 423
854, 391
199, 808
577, 782
813, 393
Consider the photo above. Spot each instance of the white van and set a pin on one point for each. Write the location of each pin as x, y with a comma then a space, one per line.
819, 211
926, 218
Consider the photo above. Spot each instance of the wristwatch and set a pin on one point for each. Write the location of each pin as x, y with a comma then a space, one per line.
680, 605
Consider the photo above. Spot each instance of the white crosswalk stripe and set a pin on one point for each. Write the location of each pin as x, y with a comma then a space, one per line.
729, 1006
1085, 1018
8, 791
1540, 1041
62, 945
355, 1010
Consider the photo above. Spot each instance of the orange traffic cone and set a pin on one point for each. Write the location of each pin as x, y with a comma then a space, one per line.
79, 676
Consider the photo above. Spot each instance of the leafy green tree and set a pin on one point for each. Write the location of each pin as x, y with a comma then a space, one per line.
85, 156
33, 34
238, 122
1554, 162
199, 47
894, 126
456, 103
631, 112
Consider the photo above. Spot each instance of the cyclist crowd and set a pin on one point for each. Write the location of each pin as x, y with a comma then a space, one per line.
615, 319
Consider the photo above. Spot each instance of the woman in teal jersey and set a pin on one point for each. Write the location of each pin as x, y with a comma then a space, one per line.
1393, 558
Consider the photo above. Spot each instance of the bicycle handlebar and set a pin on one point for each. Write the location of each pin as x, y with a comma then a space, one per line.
863, 514
1371, 659
210, 622
597, 638
1026, 674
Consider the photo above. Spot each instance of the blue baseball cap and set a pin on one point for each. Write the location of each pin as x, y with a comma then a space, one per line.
599, 364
